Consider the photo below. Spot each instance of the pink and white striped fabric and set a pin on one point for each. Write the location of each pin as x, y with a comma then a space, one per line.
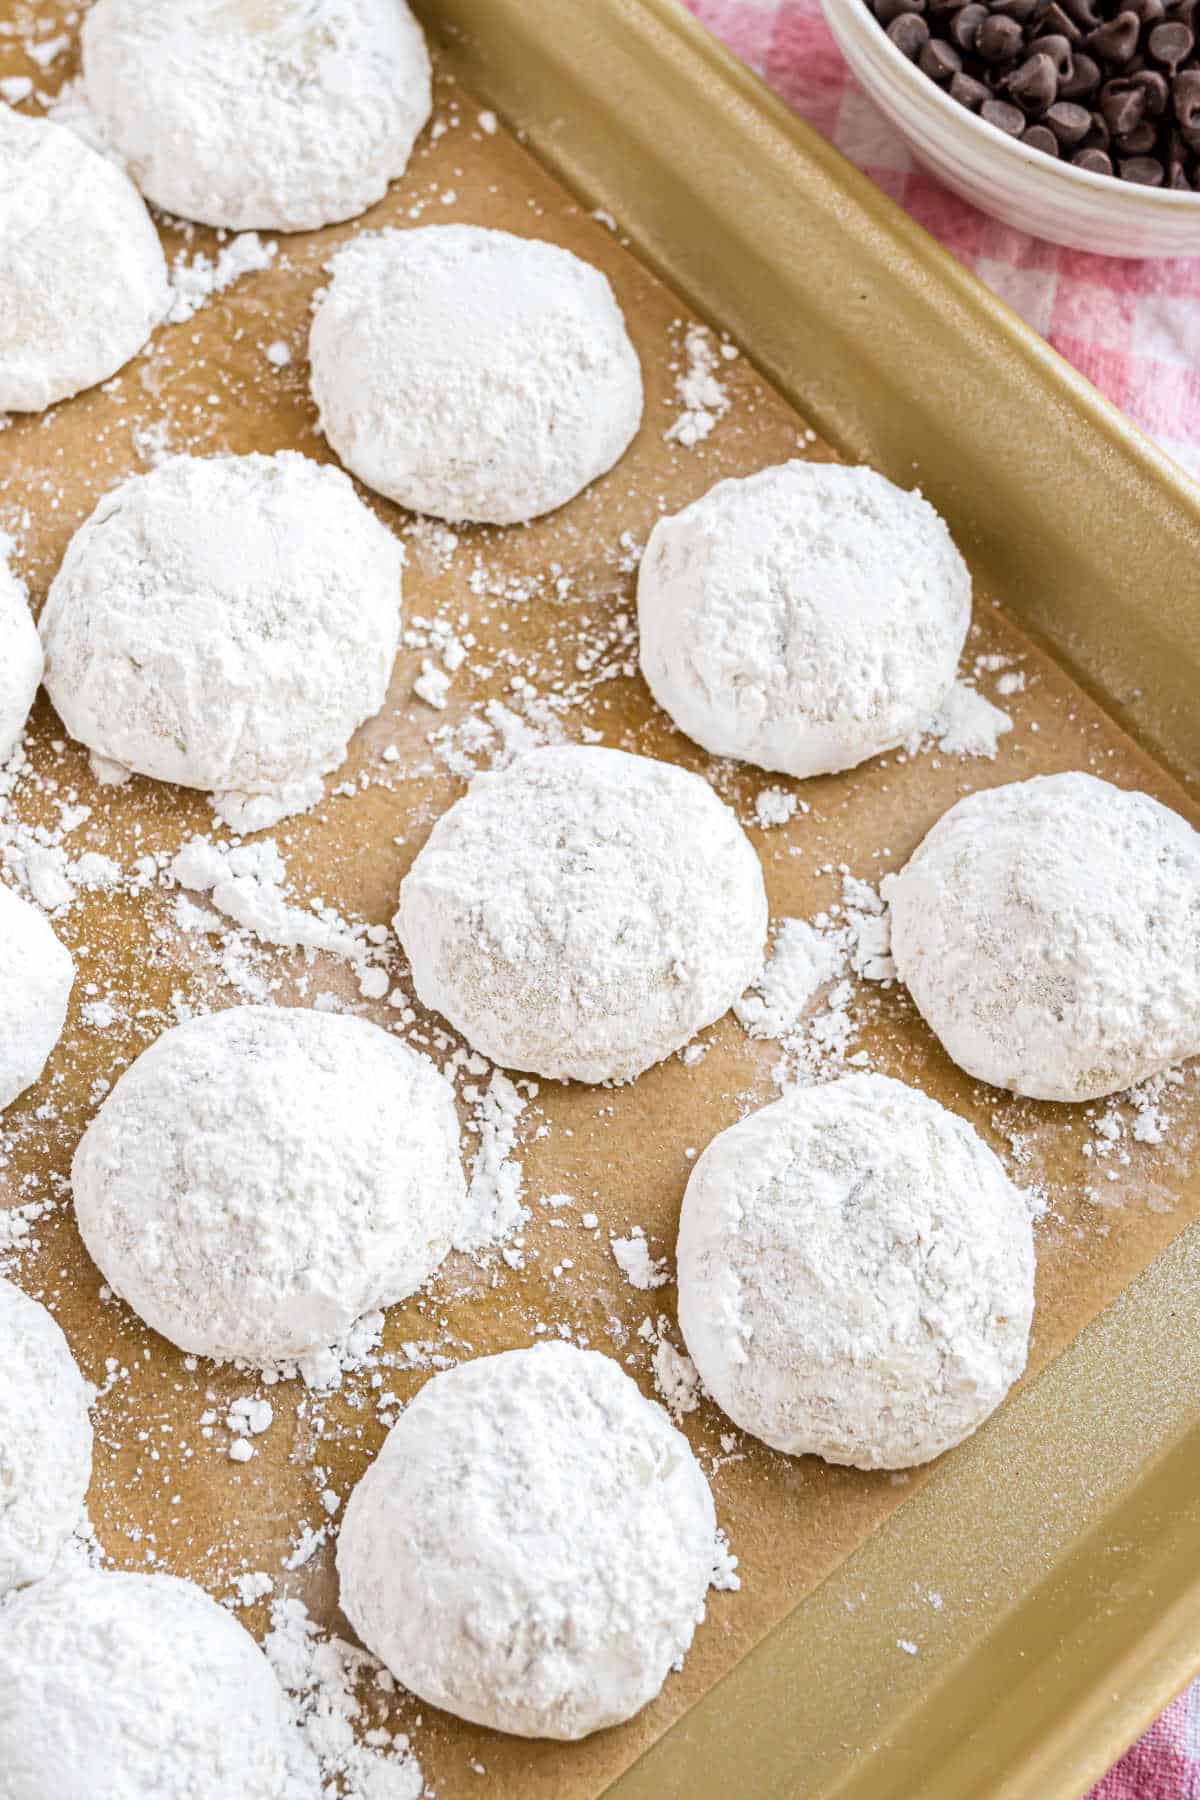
1133, 328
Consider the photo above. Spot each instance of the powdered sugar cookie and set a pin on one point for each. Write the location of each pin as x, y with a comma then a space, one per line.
282, 115
83, 281
532, 1547
20, 661
472, 374
260, 1178
804, 618
45, 1440
855, 1274
1049, 932
583, 913
36, 977
266, 625
137, 1686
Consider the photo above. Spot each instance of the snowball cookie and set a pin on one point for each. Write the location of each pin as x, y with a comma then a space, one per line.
1049, 932
36, 977
472, 374
20, 661
226, 623
583, 913
83, 281
804, 618
136, 1687
260, 1178
532, 1547
855, 1274
45, 1442
277, 115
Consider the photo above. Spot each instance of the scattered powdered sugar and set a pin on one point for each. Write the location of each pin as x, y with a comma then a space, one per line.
703, 398
494, 1194
329, 1683
817, 960
640, 1269
775, 806
196, 279
967, 724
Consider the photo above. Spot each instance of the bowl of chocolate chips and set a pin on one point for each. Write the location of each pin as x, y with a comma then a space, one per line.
1075, 120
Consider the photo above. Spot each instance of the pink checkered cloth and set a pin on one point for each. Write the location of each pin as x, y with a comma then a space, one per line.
1133, 328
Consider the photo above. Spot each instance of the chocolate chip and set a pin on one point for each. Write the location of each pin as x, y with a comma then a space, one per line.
998, 38
1021, 10
939, 60
1177, 178
1034, 85
941, 9
1116, 41
1147, 171
887, 10
1157, 92
1054, 22
969, 92
1149, 12
1171, 43
1185, 99
1093, 160
1039, 138
1084, 79
1123, 105
964, 27
908, 31
1099, 136
1006, 118
1068, 122
1139, 141
1084, 13
1058, 49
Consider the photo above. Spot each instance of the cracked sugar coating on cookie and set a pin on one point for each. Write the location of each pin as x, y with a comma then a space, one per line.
260, 1178
855, 1274
45, 1441
583, 913
83, 281
472, 374
532, 1547
226, 623
1049, 932
20, 661
36, 977
804, 618
276, 115
123, 1687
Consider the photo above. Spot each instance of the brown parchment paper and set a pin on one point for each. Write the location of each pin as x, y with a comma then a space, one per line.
165, 1494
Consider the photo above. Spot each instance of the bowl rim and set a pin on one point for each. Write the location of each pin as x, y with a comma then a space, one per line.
859, 18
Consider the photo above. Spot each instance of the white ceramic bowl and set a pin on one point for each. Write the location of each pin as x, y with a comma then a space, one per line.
1003, 177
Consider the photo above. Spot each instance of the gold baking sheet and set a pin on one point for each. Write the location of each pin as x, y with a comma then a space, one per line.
895, 357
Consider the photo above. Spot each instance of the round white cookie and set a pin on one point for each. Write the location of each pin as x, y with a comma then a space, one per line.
804, 618
20, 661
472, 374
83, 281
36, 977
583, 913
277, 115
226, 623
532, 1547
1048, 932
45, 1441
260, 1178
855, 1274
138, 1687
